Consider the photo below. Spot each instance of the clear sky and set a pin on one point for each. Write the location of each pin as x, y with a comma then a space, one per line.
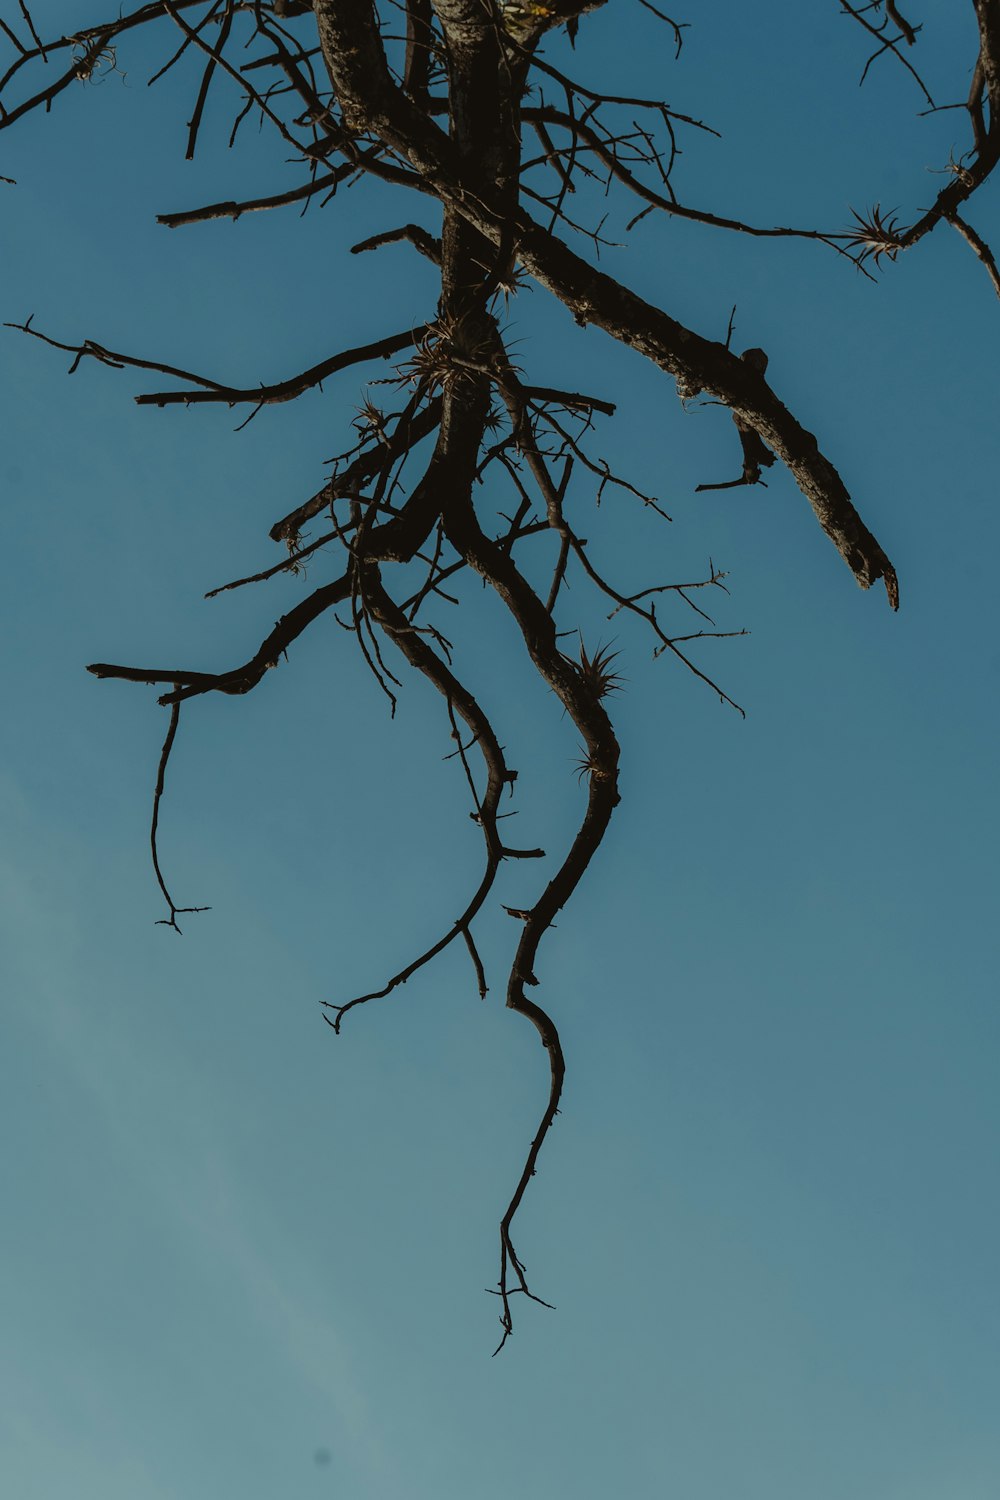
244, 1257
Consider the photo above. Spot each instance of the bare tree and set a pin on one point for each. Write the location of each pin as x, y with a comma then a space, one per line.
457, 102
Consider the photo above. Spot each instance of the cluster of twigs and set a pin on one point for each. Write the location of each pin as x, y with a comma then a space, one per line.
459, 106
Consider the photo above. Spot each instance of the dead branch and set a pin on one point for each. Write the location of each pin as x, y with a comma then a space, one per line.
213, 391
161, 771
440, 107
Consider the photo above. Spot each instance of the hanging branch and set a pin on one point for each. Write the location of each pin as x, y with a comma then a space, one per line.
161, 771
439, 100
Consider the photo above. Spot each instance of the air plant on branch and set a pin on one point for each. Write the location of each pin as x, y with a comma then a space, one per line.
449, 353
877, 234
596, 673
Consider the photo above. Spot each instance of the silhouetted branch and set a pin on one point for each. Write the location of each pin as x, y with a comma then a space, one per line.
233, 210
161, 771
453, 429
979, 247
212, 390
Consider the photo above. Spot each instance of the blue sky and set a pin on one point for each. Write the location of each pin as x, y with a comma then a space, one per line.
243, 1256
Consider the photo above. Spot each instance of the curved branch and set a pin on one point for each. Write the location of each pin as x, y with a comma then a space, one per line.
161, 771
212, 391
423, 659
234, 210
239, 679
584, 706
295, 385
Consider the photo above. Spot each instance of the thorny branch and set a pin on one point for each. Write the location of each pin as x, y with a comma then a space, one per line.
440, 109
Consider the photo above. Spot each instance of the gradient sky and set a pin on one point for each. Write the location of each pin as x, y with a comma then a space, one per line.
244, 1257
